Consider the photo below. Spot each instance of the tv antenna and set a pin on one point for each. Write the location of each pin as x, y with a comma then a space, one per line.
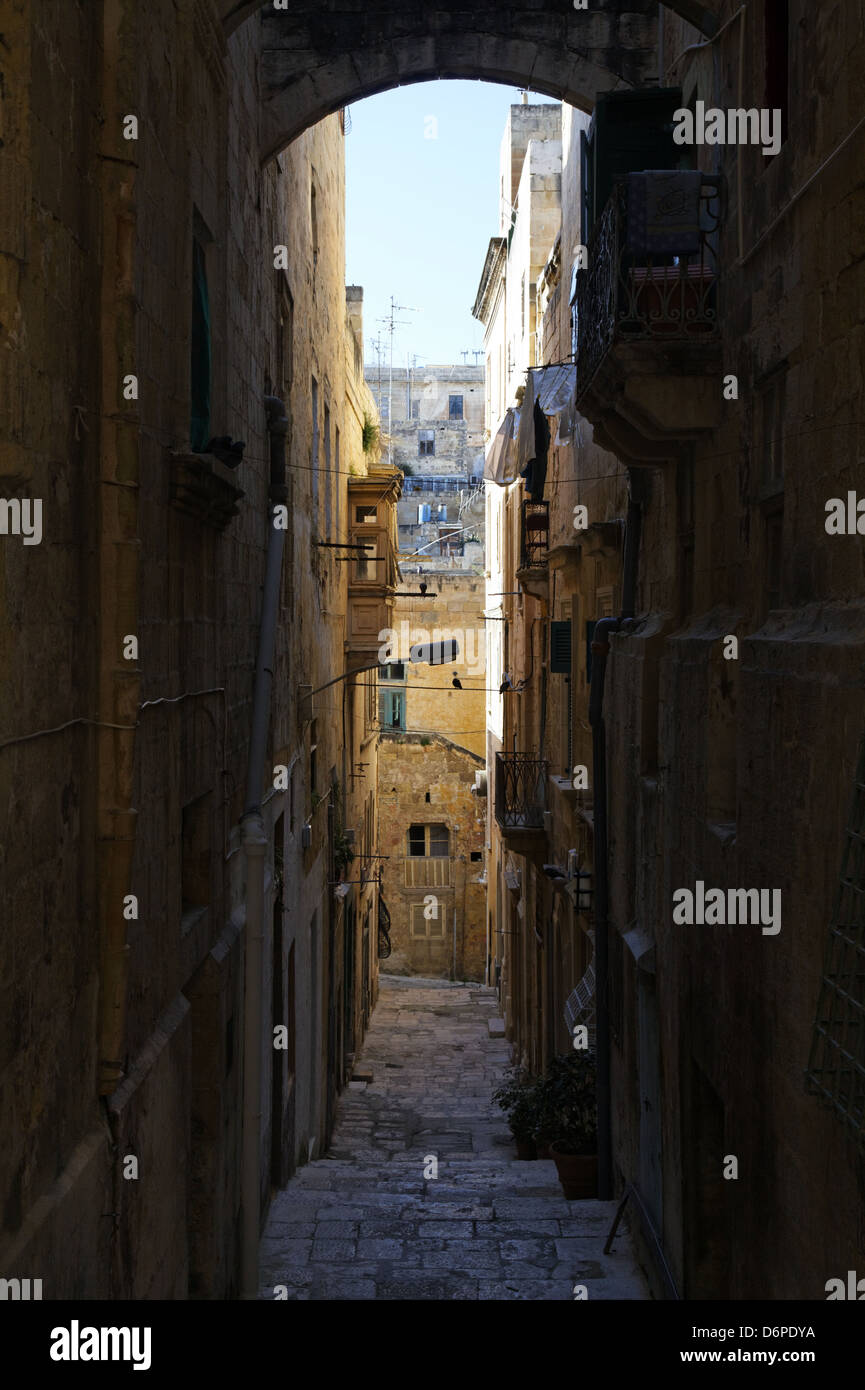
392, 322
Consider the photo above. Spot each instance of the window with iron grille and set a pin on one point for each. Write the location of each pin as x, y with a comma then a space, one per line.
836, 1067
426, 443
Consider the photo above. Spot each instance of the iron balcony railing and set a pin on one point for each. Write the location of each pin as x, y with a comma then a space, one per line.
535, 534
627, 296
521, 791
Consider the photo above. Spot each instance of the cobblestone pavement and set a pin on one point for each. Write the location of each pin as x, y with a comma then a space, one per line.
364, 1223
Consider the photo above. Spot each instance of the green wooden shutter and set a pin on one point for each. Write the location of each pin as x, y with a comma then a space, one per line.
560, 647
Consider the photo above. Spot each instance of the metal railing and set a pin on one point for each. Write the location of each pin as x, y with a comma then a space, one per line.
534, 534
384, 944
628, 295
521, 791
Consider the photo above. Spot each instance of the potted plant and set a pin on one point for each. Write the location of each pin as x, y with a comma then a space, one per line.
547, 1122
516, 1096
569, 1113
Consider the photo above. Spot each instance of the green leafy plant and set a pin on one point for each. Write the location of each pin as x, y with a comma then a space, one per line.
516, 1096
370, 433
342, 851
566, 1107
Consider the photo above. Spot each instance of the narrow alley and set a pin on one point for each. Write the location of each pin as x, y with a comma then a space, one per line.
364, 1223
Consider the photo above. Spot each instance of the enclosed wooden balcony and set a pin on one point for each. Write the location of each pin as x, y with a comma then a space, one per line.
372, 569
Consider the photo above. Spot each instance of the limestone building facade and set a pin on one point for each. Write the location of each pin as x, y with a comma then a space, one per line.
692, 649
195, 946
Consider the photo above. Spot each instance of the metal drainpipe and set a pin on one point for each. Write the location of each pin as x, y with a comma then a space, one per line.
600, 650
255, 850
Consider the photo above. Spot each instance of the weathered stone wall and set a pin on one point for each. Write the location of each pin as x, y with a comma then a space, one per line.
432, 703
426, 780
192, 596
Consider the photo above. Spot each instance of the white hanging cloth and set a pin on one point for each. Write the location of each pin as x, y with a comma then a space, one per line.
500, 464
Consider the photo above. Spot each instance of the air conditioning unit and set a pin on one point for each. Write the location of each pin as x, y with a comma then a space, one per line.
306, 835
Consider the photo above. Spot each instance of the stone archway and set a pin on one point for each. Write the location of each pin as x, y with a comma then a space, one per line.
317, 57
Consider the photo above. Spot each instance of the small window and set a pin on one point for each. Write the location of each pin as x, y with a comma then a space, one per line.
284, 341
391, 706
426, 443
475, 856
455, 407
415, 410
395, 671
363, 515
429, 841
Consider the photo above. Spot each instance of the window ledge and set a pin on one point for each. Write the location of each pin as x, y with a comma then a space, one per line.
204, 488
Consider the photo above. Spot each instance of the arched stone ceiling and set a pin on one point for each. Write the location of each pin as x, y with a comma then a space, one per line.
318, 57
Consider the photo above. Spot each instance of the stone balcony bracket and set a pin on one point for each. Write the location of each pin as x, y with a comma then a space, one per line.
204, 488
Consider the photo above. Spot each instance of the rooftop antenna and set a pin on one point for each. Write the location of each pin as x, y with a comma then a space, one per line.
392, 321
376, 345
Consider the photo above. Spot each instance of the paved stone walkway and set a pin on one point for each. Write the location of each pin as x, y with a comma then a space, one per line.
364, 1223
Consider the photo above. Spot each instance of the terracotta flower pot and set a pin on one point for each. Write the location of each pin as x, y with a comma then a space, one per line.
578, 1173
525, 1148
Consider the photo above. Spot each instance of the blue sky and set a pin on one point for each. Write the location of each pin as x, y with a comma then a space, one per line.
421, 211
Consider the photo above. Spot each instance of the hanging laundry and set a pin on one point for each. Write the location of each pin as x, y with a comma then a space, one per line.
535, 471
500, 465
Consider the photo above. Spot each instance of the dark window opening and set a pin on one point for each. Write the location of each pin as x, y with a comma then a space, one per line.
395, 671
777, 39
313, 758
428, 841
455, 407
285, 343
426, 443
475, 856
774, 556
201, 364
195, 856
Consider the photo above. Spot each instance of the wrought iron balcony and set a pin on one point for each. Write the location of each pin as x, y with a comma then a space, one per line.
521, 792
534, 534
643, 314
